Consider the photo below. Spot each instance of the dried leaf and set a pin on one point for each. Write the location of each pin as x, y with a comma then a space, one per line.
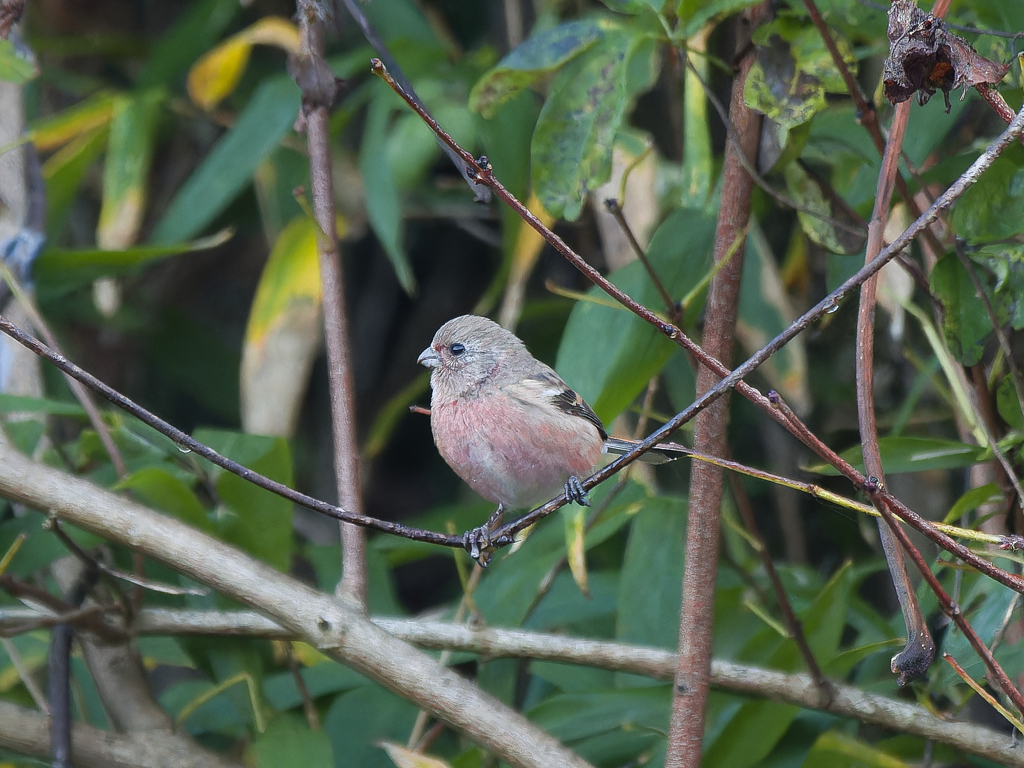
925, 57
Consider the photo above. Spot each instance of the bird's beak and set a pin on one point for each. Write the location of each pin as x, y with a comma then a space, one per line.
428, 357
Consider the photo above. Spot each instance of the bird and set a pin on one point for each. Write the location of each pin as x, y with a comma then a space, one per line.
508, 425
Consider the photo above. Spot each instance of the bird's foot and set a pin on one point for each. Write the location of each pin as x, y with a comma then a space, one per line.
478, 542
574, 492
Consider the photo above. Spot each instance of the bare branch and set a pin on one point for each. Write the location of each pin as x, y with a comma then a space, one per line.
333, 626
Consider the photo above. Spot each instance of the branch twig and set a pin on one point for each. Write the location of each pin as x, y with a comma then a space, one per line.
336, 332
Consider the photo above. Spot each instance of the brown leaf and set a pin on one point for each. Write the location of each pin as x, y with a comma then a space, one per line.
925, 57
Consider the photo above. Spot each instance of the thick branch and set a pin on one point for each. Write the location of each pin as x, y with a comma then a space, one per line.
28, 732
334, 627
798, 689
697, 611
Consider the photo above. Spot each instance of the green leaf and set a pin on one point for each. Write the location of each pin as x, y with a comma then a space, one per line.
612, 727
534, 58
912, 454
256, 520
993, 208
693, 14
752, 732
282, 693
161, 490
1005, 261
356, 721
607, 354
985, 604
1008, 405
58, 271
632, 6
965, 321
972, 499
776, 90
230, 165
809, 194
383, 204
575, 133
24, 403
63, 173
126, 168
650, 584
697, 173
13, 67
288, 742
196, 30
835, 749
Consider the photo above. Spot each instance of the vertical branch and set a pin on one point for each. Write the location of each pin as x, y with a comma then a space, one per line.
336, 335
697, 610
914, 659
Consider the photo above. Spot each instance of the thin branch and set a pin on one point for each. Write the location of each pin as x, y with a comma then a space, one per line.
186, 442
951, 609
336, 331
80, 393
615, 209
789, 617
913, 661
914, 520
731, 379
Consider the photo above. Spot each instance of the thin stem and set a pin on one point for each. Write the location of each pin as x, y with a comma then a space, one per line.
914, 659
615, 209
80, 393
789, 617
951, 609
186, 442
336, 332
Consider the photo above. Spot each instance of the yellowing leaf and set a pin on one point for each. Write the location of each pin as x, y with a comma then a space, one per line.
283, 334
95, 112
126, 169
274, 30
525, 253
406, 758
217, 72
576, 547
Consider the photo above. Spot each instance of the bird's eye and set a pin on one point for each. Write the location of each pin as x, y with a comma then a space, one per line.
456, 349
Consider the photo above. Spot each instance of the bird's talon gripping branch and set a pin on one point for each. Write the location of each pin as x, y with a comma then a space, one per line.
478, 544
574, 492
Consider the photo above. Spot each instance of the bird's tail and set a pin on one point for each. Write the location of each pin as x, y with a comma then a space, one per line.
659, 454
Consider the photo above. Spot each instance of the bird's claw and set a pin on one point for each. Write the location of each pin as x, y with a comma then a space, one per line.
574, 492
478, 542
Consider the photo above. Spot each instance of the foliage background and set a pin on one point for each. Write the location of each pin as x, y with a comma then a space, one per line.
178, 248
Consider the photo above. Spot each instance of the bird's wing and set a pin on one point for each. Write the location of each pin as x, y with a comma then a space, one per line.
549, 385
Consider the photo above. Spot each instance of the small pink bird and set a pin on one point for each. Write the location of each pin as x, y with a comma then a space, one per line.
507, 423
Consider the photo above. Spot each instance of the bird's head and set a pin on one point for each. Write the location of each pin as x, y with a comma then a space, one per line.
468, 351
